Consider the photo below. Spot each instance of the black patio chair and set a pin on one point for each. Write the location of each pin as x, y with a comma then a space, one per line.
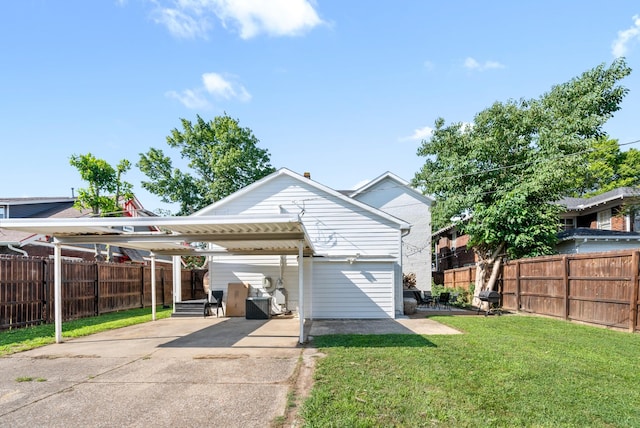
428, 298
215, 300
443, 300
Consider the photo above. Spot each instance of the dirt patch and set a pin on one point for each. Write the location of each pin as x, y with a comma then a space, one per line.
301, 384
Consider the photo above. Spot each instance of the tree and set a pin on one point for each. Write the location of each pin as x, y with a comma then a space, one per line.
222, 156
608, 168
502, 173
106, 186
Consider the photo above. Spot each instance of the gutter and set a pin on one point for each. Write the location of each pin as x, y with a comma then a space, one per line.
17, 250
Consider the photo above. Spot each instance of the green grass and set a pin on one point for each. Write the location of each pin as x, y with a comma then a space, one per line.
23, 339
503, 372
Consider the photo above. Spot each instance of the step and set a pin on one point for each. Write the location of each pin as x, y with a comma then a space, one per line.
189, 309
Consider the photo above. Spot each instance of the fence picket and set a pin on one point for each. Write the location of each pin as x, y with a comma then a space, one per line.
89, 289
593, 288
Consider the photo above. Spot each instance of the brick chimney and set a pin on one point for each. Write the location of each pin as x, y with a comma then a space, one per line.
307, 175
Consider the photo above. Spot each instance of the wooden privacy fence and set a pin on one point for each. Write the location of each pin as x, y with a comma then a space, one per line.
460, 277
88, 289
595, 288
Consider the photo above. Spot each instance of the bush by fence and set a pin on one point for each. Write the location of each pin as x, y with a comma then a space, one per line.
88, 289
595, 288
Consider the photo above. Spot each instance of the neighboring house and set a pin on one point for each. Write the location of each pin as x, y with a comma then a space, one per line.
604, 222
450, 249
354, 266
29, 244
395, 196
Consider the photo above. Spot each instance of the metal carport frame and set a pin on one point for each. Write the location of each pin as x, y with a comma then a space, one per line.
281, 234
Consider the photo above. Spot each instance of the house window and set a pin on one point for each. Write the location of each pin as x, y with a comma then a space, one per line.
2, 212
567, 223
604, 219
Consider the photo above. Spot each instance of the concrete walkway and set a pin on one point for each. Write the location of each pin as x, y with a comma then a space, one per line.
226, 372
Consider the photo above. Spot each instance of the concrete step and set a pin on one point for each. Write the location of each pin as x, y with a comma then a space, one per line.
189, 309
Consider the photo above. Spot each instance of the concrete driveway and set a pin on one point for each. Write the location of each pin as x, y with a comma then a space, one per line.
226, 372
229, 372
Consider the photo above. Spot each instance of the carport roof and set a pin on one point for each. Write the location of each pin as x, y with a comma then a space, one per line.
238, 234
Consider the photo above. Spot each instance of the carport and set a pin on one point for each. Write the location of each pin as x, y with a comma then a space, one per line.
281, 234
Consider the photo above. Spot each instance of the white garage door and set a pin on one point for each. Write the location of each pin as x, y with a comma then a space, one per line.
358, 290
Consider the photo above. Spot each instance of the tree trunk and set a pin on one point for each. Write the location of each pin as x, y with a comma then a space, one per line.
487, 271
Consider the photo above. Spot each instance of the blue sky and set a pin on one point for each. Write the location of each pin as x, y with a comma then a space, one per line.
345, 89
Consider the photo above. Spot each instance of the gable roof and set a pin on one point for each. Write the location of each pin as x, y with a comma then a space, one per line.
391, 176
286, 172
579, 204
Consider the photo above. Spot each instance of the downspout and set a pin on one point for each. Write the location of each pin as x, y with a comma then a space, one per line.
17, 250
397, 308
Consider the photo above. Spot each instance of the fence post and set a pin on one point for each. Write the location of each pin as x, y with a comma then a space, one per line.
633, 310
96, 286
46, 301
517, 285
142, 286
565, 283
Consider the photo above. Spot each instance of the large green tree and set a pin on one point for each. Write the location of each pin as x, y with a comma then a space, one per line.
222, 158
608, 168
106, 187
499, 176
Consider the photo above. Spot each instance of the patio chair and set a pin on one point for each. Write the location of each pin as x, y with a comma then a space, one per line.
443, 300
214, 299
454, 298
428, 298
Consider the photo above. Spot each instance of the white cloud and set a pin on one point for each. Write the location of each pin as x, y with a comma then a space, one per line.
272, 17
421, 133
190, 99
472, 64
426, 132
191, 18
631, 35
214, 85
183, 24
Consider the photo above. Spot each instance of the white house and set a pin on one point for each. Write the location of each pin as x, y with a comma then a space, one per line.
395, 196
317, 251
354, 268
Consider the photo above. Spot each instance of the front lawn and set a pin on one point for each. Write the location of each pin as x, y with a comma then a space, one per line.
23, 339
504, 371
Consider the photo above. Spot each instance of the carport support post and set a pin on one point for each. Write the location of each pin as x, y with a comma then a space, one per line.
301, 290
153, 287
177, 282
57, 290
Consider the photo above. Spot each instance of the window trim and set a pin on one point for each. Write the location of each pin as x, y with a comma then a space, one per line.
604, 219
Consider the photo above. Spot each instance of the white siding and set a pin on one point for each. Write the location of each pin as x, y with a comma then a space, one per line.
402, 202
335, 226
339, 229
252, 269
344, 290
